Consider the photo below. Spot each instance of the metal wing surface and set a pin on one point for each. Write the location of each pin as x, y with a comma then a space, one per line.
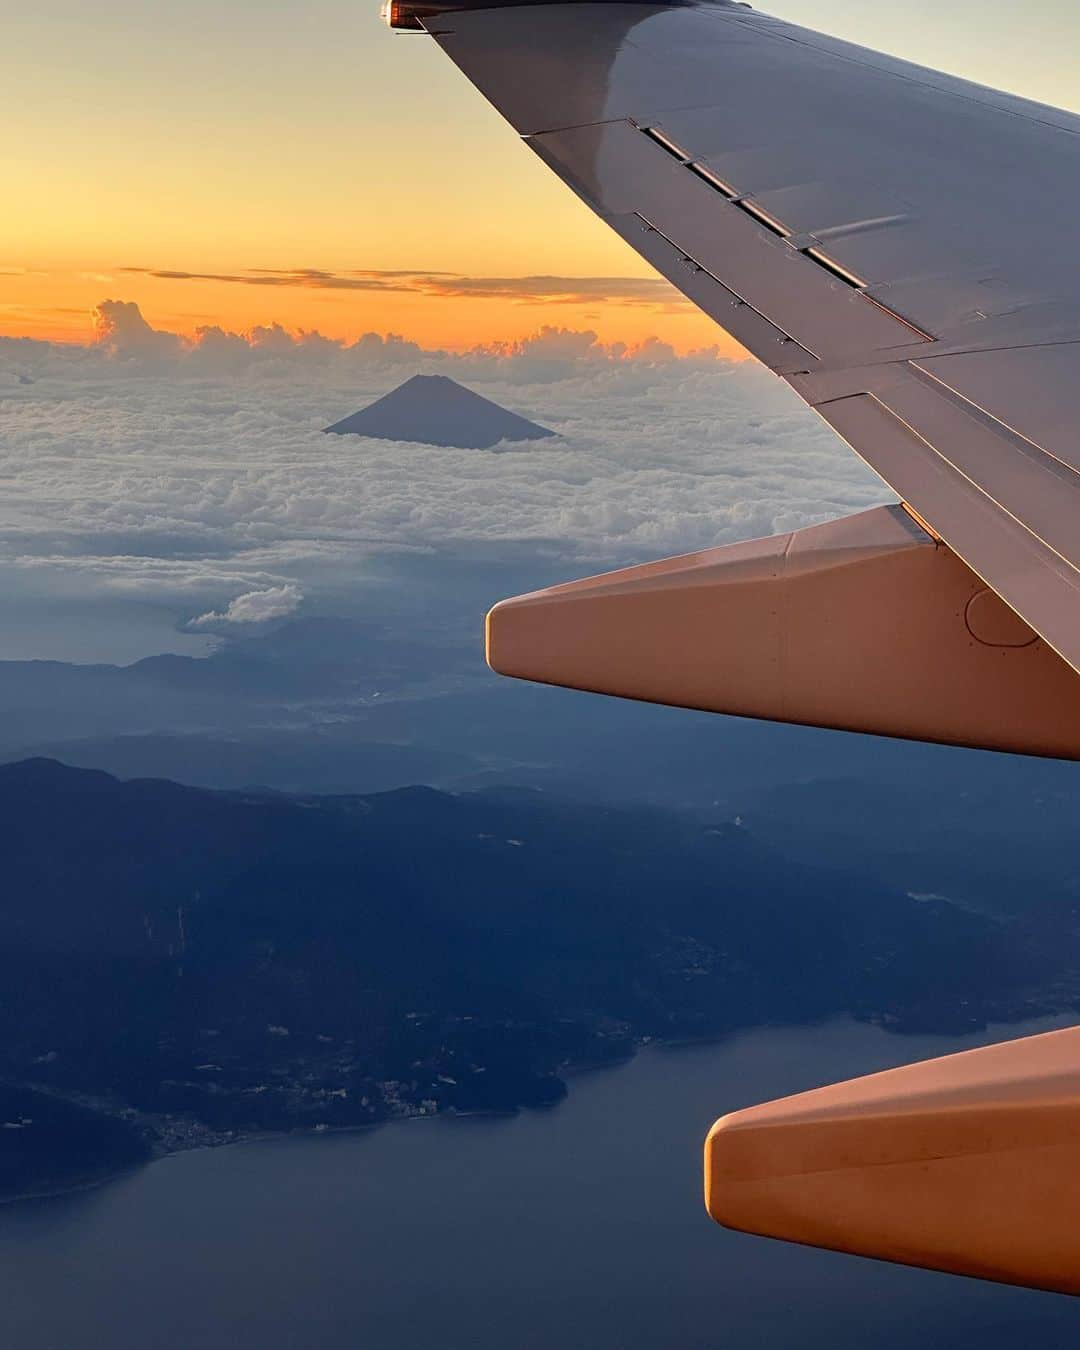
895, 243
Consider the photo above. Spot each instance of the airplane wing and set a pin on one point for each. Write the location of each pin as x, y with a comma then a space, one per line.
898, 246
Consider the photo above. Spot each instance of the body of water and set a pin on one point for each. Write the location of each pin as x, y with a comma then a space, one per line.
581, 1228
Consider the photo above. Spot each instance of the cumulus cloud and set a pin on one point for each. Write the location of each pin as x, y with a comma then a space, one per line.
196, 473
122, 334
121, 330
253, 607
124, 339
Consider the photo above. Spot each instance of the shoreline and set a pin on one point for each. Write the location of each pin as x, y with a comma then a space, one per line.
567, 1072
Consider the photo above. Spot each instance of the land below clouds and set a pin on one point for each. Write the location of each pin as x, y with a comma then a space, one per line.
334, 947
327, 704
182, 966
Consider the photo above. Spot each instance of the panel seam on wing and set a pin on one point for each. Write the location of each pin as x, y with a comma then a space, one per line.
744, 201
981, 414
737, 298
1072, 576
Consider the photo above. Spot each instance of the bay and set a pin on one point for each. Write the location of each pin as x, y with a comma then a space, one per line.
577, 1227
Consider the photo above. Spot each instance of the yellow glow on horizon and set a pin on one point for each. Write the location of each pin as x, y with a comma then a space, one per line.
219, 139
57, 306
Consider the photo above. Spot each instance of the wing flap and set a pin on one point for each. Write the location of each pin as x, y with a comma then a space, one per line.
1011, 386
771, 344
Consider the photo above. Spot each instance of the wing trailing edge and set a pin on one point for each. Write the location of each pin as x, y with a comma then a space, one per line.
864, 624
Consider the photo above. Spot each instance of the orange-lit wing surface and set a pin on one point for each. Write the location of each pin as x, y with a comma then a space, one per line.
865, 624
969, 1164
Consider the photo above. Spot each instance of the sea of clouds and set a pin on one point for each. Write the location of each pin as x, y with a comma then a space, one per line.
194, 473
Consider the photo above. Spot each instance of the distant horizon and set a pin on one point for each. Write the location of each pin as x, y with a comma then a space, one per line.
232, 152
119, 331
97, 329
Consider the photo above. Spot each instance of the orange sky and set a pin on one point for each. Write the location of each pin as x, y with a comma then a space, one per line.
245, 140
57, 304
253, 142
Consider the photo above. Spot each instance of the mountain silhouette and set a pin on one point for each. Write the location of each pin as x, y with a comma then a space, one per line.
435, 410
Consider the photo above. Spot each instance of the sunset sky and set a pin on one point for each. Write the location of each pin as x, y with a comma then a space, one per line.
293, 159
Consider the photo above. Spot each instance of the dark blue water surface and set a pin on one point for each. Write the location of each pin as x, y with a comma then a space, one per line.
576, 1229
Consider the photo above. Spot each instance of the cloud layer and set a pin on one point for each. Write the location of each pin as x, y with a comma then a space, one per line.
123, 336
196, 473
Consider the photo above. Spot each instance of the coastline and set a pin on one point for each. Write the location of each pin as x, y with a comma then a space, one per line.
978, 1036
